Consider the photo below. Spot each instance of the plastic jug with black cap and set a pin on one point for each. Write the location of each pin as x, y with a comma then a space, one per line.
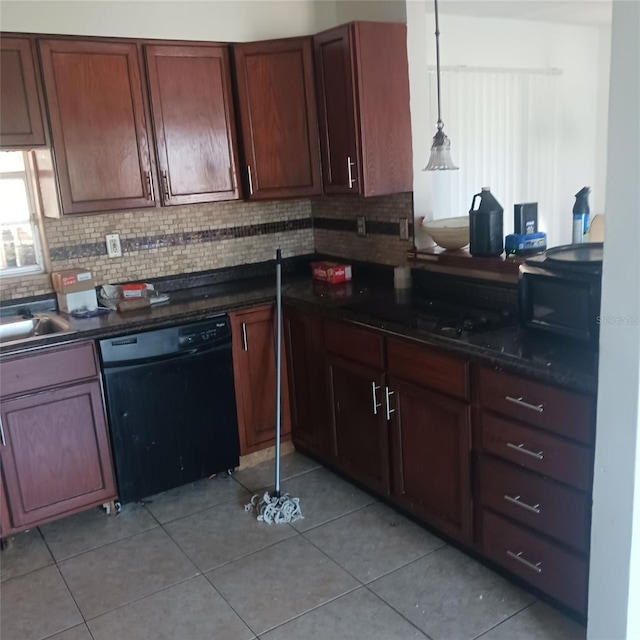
485, 225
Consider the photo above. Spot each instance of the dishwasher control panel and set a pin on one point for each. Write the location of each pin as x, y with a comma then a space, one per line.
209, 332
165, 342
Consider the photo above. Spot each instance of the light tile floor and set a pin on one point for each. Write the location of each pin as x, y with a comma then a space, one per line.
191, 564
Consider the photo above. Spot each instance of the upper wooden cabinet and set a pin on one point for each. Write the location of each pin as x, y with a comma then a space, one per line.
278, 117
190, 90
363, 107
100, 139
21, 116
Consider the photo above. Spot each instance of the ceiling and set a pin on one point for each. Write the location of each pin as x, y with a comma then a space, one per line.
585, 12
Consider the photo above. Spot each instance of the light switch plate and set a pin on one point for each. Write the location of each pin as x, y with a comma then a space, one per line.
114, 249
361, 225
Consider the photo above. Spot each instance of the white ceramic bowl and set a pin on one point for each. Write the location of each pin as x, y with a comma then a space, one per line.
449, 233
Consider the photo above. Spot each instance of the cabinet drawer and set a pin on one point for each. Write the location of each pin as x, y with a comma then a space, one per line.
546, 566
48, 368
566, 413
427, 368
542, 504
537, 451
353, 343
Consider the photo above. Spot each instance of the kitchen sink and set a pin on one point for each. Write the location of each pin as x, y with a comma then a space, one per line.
19, 328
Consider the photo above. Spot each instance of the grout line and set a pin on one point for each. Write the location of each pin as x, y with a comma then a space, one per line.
413, 624
515, 613
143, 597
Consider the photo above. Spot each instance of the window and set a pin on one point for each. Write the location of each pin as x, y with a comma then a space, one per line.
20, 248
503, 126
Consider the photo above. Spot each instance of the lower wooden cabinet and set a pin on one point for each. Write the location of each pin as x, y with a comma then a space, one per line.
308, 389
56, 458
254, 370
360, 431
431, 443
534, 452
55, 454
400, 423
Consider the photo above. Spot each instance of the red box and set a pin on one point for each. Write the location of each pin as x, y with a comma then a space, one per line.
133, 290
332, 272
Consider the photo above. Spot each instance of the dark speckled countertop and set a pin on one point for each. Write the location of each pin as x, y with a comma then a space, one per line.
545, 358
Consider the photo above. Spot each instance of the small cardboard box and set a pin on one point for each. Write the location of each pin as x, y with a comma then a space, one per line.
135, 290
78, 300
332, 272
72, 280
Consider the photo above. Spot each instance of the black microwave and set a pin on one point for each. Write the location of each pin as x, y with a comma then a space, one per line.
561, 299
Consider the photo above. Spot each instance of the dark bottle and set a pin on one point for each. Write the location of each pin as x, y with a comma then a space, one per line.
485, 225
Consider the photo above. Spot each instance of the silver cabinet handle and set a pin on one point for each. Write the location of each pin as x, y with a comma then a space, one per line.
537, 567
350, 164
4, 442
165, 183
245, 344
376, 404
149, 179
520, 402
388, 394
520, 447
250, 179
516, 500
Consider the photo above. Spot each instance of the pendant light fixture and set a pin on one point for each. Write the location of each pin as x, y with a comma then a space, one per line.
440, 158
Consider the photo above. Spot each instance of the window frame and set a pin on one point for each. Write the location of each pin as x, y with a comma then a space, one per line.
35, 219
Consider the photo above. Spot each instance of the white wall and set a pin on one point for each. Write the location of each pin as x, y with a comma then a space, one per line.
614, 582
378, 10
223, 20
506, 43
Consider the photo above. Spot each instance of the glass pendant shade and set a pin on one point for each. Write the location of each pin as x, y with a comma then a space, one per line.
440, 158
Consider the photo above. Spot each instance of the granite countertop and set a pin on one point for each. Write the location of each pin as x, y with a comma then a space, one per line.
545, 358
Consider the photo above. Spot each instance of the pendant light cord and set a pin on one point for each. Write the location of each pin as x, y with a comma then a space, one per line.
435, 2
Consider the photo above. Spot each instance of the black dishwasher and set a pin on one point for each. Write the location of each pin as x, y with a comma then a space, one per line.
171, 405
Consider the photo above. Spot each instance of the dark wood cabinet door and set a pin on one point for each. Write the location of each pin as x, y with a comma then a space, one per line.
21, 117
5, 523
310, 414
431, 442
57, 457
254, 369
363, 103
193, 121
360, 432
100, 140
277, 106
336, 112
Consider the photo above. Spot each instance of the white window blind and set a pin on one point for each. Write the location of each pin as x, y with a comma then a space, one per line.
503, 128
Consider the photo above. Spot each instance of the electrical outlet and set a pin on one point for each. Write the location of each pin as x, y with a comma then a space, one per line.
114, 249
404, 228
361, 225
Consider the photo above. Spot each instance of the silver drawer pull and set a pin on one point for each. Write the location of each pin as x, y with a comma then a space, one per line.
520, 447
2, 438
376, 404
516, 500
521, 403
537, 567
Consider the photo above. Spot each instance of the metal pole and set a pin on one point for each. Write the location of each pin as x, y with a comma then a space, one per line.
278, 365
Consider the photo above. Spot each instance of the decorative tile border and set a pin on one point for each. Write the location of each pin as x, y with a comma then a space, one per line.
147, 243
374, 227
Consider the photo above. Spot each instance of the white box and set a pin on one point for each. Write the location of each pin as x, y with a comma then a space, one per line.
79, 300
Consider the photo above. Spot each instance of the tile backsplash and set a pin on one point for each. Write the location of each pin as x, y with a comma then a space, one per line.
172, 240
335, 227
